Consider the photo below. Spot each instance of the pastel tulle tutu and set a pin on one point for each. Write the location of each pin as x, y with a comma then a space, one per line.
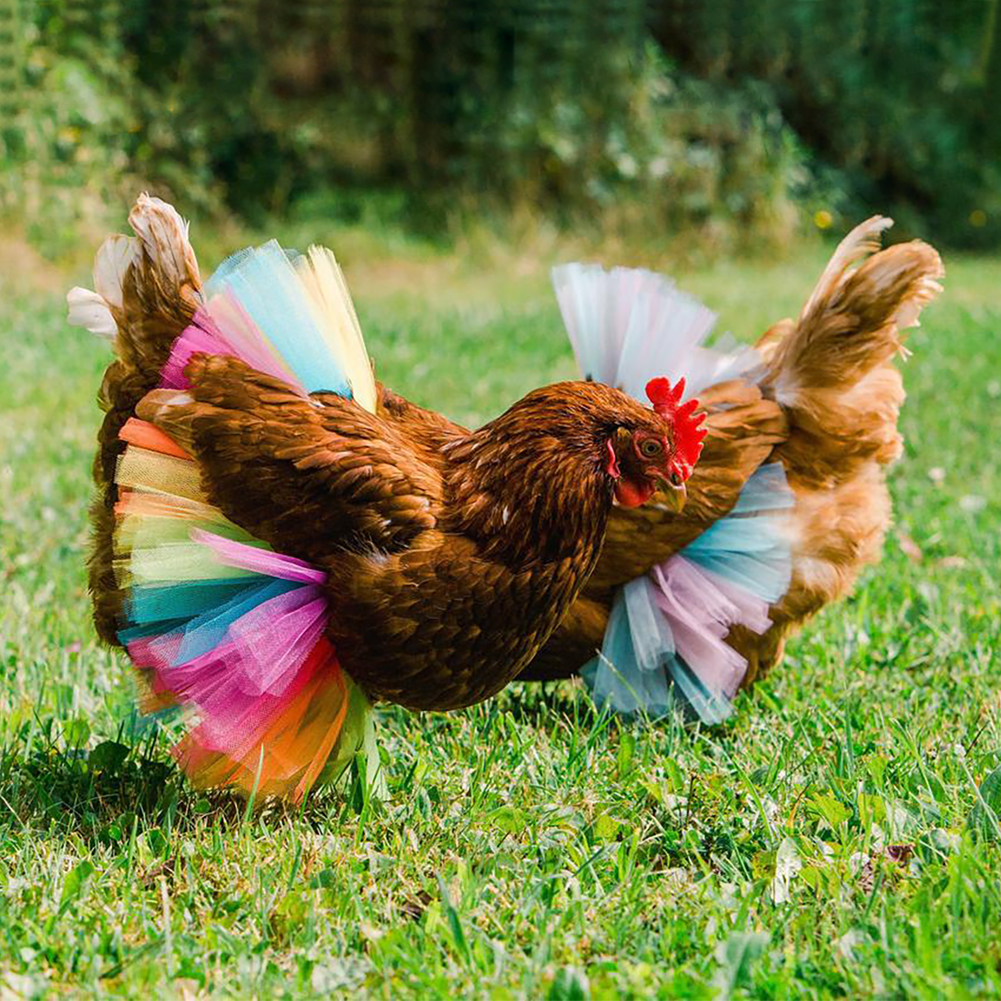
216, 622
666, 631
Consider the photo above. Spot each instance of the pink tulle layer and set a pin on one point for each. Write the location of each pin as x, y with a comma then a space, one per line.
701, 607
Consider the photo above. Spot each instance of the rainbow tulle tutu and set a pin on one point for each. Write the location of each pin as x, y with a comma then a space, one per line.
217, 623
233, 634
666, 631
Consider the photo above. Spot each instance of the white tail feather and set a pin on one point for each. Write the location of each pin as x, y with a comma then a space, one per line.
113, 260
89, 310
164, 237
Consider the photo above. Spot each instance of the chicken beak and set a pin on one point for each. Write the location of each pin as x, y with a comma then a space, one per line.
674, 496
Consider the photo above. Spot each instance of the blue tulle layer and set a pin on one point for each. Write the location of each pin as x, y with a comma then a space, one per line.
266, 285
750, 547
640, 670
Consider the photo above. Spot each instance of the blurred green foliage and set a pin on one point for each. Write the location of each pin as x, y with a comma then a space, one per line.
898, 98
627, 116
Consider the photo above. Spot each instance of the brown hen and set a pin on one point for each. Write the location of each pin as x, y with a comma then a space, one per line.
449, 555
825, 406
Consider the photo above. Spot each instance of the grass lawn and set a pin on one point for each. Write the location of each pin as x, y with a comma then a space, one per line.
525, 849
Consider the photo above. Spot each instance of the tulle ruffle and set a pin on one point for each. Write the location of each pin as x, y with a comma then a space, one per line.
216, 622
666, 630
627, 325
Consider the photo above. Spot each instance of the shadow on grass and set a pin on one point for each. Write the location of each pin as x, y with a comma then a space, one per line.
87, 792
102, 793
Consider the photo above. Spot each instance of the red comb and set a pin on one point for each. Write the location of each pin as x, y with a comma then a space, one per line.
688, 434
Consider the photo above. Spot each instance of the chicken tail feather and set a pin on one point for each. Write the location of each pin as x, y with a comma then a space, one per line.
217, 624
832, 370
146, 290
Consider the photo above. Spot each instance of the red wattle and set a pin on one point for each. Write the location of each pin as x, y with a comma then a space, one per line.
631, 494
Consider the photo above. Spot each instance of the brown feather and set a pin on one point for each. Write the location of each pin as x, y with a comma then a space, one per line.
834, 374
158, 296
833, 371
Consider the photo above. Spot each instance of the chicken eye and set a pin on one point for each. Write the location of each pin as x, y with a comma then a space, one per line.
650, 448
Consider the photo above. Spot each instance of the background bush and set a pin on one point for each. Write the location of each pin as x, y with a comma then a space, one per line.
715, 119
